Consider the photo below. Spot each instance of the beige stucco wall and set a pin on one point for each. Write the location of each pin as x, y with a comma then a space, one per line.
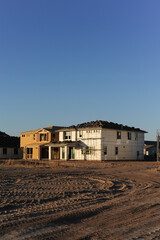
10, 153
127, 149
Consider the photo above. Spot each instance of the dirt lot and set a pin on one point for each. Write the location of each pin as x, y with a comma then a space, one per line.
114, 200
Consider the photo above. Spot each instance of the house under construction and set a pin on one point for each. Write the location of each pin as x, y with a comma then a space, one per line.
95, 140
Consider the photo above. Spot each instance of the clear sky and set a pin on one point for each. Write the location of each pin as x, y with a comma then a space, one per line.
64, 62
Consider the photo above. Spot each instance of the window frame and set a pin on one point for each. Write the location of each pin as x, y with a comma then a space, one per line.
119, 135
129, 136
116, 150
53, 137
105, 150
4, 151
88, 150
43, 137
136, 136
68, 135
29, 153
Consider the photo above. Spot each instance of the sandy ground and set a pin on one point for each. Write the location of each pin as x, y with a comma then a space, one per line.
81, 201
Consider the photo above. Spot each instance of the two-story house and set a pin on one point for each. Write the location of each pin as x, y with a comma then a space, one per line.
34, 143
95, 140
102, 140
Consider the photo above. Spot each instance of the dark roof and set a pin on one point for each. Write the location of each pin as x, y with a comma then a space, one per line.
7, 141
53, 128
107, 125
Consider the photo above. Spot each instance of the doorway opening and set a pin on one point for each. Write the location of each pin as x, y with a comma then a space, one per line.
71, 152
44, 152
56, 153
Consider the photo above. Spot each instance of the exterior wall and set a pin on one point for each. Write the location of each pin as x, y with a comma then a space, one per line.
99, 139
90, 138
127, 149
73, 135
61, 138
27, 138
10, 153
34, 137
95, 140
66, 153
35, 152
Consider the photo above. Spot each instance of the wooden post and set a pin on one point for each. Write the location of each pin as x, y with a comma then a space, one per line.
158, 137
50, 153
25, 153
39, 153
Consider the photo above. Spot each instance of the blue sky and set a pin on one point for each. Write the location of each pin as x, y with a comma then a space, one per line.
64, 62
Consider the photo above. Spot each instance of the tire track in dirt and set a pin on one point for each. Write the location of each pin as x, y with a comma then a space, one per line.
78, 203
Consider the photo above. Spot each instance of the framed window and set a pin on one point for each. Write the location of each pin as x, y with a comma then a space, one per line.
29, 152
23, 135
67, 135
43, 137
136, 136
105, 150
53, 137
116, 150
88, 150
15, 151
118, 135
4, 151
129, 135
34, 137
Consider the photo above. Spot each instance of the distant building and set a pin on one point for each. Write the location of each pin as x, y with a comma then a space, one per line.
9, 146
95, 140
150, 150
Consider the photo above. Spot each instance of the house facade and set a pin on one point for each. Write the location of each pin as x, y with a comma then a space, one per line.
34, 143
9, 147
101, 140
96, 140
